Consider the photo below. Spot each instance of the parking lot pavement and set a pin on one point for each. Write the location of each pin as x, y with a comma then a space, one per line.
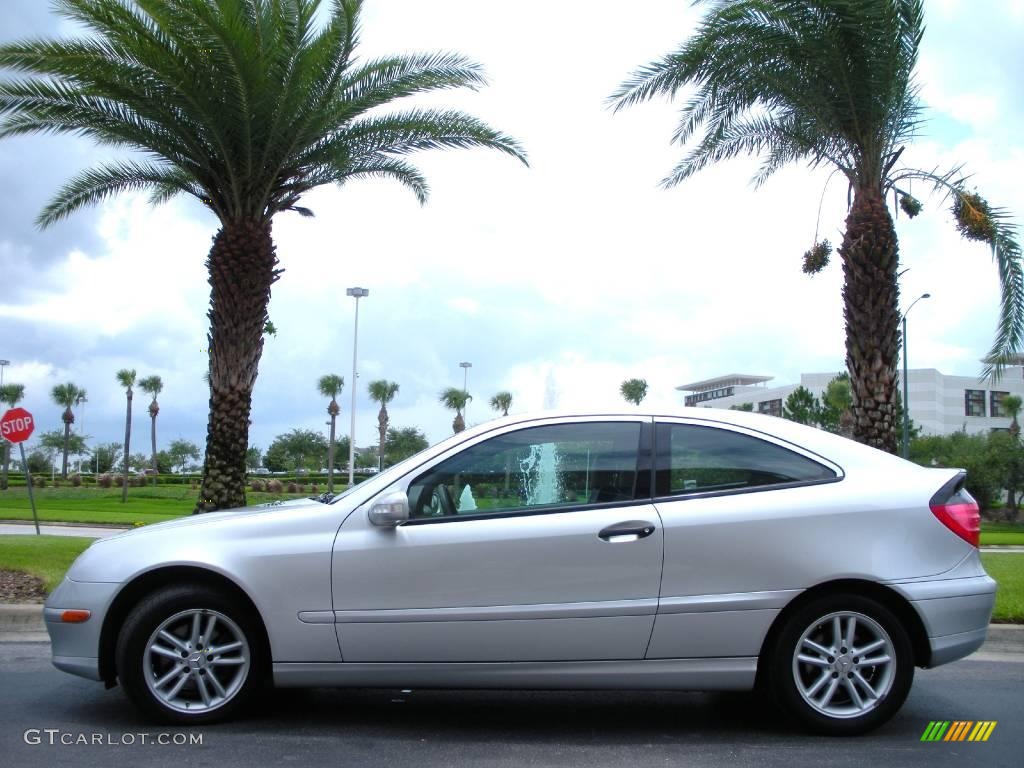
498, 729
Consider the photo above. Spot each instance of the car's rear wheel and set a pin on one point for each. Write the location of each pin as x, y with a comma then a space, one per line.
842, 664
188, 654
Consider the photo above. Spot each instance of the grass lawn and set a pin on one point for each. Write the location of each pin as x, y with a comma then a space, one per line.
1002, 533
1008, 570
98, 505
47, 557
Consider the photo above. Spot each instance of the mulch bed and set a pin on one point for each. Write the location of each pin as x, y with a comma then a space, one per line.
20, 587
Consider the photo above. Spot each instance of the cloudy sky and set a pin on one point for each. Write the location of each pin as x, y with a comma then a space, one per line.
579, 269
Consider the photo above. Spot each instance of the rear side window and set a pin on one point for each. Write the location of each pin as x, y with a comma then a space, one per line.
694, 459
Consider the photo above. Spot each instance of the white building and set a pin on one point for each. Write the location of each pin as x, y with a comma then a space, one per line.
939, 404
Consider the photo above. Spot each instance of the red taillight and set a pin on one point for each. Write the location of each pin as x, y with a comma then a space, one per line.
962, 518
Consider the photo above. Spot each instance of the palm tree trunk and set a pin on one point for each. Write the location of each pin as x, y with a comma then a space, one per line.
458, 423
127, 444
241, 264
871, 308
67, 438
152, 438
382, 428
330, 453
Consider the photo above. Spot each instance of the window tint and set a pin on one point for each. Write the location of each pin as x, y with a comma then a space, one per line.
554, 466
694, 459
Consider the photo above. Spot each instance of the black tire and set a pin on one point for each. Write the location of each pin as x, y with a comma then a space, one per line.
893, 684
134, 663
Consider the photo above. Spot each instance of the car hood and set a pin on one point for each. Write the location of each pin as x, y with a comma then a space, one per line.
239, 514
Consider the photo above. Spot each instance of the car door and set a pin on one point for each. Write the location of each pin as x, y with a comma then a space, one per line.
537, 542
748, 520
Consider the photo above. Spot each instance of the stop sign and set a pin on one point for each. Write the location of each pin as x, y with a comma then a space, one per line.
16, 425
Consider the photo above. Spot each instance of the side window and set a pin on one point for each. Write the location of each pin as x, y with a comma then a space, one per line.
694, 459
562, 465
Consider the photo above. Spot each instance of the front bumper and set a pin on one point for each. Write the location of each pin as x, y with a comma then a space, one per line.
76, 646
955, 613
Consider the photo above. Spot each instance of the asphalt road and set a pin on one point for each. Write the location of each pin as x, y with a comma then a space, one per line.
498, 728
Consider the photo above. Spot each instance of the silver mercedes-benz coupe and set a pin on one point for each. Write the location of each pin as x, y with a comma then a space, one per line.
704, 550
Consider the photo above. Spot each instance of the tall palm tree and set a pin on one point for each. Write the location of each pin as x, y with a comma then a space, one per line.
126, 378
502, 401
66, 395
80, 401
153, 385
831, 83
329, 386
10, 396
244, 105
382, 391
455, 399
633, 390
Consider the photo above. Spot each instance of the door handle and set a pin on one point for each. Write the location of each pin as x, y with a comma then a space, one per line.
631, 530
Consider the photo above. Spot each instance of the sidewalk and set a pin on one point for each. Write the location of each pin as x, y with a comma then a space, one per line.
60, 529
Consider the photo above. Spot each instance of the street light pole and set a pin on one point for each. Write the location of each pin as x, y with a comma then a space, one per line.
906, 400
357, 293
465, 381
3, 364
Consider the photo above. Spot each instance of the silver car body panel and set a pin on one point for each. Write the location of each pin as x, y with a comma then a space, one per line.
536, 600
676, 674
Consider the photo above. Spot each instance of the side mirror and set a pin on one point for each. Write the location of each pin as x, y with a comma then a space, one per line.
390, 510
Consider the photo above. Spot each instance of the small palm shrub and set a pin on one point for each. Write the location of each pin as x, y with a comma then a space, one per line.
292, 487
104, 480
274, 486
76, 480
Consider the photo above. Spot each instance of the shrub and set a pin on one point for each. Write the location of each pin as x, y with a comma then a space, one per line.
104, 481
292, 487
274, 486
76, 480
313, 488
140, 481
39, 482
57, 482
195, 485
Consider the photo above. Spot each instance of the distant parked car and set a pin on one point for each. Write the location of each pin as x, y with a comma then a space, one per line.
259, 471
706, 550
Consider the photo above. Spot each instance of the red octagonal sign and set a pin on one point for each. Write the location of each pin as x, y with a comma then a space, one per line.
16, 425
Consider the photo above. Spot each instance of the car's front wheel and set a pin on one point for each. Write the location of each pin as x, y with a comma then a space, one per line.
842, 664
189, 655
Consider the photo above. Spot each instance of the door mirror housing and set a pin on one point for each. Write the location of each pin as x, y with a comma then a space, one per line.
390, 510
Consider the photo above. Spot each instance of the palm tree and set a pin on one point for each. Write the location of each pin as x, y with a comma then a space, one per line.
382, 391
66, 395
80, 402
153, 385
831, 83
330, 386
455, 399
1011, 407
126, 378
633, 390
10, 395
502, 401
246, 106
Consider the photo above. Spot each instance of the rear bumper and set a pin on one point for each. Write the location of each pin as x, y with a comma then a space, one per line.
955, 614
